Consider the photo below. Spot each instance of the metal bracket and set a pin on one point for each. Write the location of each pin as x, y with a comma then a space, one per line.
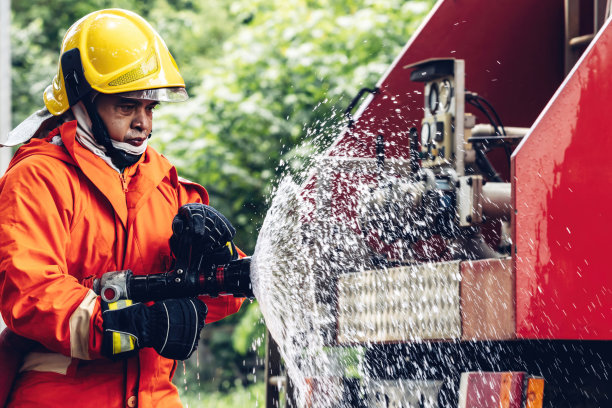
469, 200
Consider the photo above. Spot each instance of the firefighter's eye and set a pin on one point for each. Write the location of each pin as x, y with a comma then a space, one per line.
126, 107
152, 106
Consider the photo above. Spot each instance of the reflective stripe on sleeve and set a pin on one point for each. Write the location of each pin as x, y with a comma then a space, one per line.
122, 342
79, 327
46, 362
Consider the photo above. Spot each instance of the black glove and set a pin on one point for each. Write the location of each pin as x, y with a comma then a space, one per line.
172, 327
201, 235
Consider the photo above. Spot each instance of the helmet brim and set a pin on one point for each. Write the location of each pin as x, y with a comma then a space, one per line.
176, 94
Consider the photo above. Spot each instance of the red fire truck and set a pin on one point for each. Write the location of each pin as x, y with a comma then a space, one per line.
506, 165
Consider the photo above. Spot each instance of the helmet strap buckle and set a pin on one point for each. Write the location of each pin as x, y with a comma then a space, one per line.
74, 77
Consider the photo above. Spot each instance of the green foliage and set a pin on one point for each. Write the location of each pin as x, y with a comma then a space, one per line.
252, 396
249, 333
228, 355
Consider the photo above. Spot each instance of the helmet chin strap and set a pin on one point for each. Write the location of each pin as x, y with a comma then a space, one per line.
78, 89
120, 158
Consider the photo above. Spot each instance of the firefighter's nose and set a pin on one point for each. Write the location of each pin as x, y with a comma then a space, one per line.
142, 121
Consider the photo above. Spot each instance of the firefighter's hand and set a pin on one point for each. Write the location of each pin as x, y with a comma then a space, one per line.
172, 327
201, 233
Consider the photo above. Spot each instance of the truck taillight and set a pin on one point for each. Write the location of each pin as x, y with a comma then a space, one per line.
535, 393
500, 390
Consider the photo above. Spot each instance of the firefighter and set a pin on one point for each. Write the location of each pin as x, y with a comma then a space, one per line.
87, 197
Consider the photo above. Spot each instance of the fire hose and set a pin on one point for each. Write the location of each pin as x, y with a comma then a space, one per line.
232, 278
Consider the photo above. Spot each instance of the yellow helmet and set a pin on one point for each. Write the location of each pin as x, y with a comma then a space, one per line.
113, 51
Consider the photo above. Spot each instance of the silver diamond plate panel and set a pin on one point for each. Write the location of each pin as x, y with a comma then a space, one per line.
406, 303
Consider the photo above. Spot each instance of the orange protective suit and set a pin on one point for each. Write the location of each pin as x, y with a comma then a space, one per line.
66, 218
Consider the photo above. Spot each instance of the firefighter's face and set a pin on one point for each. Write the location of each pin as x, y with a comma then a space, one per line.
127, 120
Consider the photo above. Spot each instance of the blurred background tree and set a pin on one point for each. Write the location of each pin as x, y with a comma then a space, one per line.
265, 77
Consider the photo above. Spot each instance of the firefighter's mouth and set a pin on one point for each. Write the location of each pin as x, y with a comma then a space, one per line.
137, 141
